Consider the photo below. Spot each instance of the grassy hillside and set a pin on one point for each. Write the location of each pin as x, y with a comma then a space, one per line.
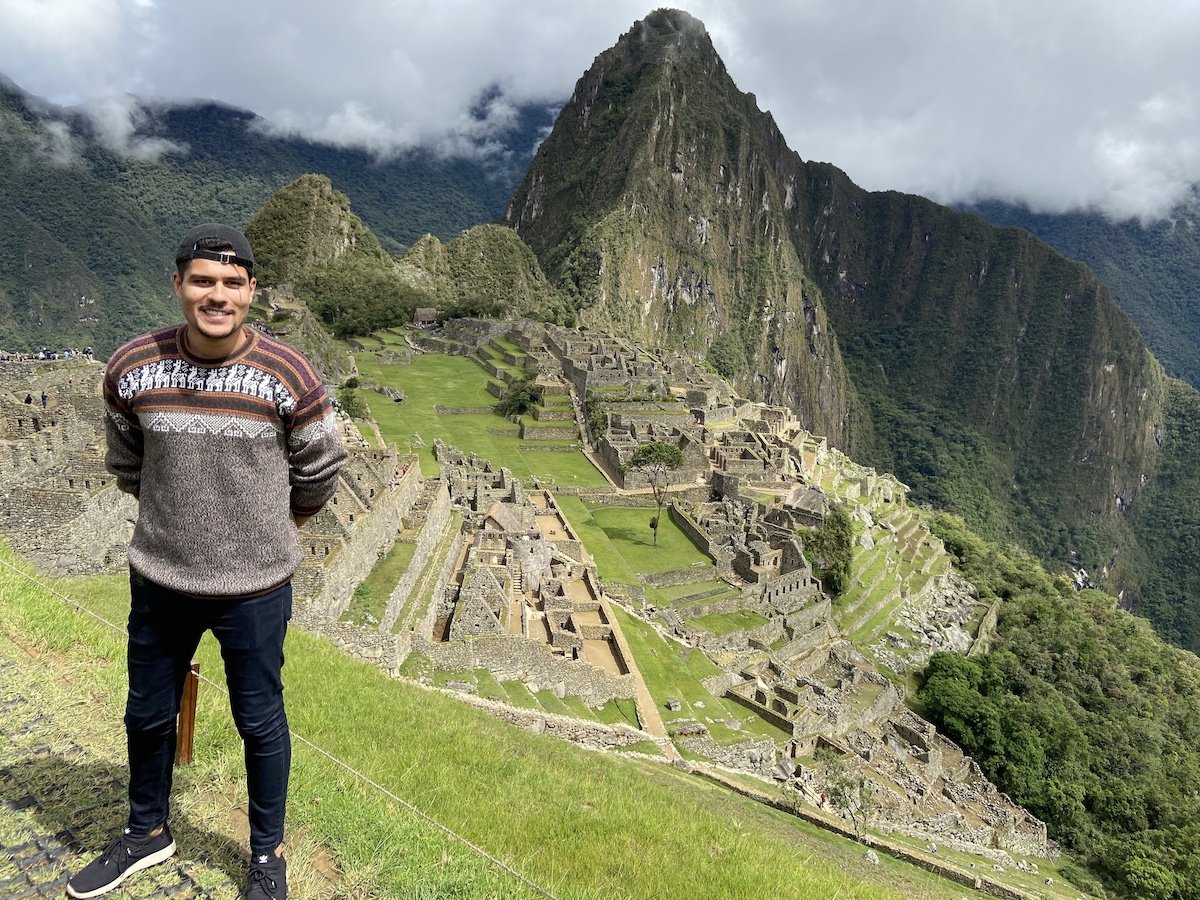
577, 824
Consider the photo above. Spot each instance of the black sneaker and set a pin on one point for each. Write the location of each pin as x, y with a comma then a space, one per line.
124, 856
268, 878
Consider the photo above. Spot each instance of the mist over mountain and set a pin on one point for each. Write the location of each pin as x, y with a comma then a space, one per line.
94, 218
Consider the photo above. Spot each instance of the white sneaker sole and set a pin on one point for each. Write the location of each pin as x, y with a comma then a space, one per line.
144, 863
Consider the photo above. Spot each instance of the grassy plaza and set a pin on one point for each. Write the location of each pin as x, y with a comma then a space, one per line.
433, 380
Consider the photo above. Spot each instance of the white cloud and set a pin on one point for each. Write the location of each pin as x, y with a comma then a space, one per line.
116, 119
1060, 105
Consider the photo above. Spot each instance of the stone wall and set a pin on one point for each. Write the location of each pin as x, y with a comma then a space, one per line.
594, 735
94, 540
515, 658
757, 757
430, 534
693, 574
373, 535
365, 643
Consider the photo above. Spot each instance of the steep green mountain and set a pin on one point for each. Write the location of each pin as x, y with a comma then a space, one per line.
312, 249
486, 270
90, 233
992, 374
1152, 270
304, 224
659, 202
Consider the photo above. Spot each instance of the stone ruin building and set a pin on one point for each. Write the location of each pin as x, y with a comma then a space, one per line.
511, 589
61, 508
525, 574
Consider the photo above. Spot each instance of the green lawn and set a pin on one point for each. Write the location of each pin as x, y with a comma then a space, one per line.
679, 591
675, 671
584, 825
726, 623
371, 597
431, 380
628, 528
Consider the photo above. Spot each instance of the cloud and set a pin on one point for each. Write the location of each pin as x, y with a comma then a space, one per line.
117, 119
1079, 103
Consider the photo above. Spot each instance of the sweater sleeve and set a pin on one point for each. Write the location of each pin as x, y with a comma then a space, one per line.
123, 438
315, 452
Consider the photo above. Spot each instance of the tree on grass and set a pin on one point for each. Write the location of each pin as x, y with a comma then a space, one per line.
830, 549
849, 791
521, 397
656, 461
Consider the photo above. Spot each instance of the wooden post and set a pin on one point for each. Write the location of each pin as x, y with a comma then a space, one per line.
186, 734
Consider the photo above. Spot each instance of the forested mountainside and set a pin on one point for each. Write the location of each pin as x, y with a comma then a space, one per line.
1153, 270
994, 375
90, 232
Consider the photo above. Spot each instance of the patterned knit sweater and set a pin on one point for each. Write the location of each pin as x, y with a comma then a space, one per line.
221, 453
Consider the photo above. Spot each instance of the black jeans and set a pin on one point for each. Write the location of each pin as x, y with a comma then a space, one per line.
164, 629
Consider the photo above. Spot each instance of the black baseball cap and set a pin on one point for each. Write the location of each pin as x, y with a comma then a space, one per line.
214, 232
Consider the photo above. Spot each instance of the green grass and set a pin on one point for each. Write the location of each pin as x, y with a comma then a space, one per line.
726, 623
580, 824
431, 380
628, 529
672, 670
371, 597
674, 592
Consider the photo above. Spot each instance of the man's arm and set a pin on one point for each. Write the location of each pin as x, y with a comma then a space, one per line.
315, 455
123, 439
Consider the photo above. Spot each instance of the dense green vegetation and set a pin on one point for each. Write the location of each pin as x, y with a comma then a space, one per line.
1164, 520
355, 295
1083, 715
487, 271
520, 397
1152, 270
830, 549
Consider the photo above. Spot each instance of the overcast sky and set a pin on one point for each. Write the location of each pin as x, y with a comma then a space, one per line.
1060, 104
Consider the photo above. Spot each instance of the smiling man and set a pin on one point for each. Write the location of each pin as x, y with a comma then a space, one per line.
228, 441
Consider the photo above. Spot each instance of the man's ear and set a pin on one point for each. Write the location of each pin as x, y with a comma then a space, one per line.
177, 284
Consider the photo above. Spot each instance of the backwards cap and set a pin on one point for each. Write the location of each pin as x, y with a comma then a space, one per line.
242, 255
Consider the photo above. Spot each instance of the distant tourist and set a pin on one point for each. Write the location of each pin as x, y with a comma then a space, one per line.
29, 399
45, 399
223, 476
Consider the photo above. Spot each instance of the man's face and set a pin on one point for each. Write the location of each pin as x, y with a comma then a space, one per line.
215, 298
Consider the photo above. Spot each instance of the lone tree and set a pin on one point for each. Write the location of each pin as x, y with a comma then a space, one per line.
656, 461
520, 398
849, 791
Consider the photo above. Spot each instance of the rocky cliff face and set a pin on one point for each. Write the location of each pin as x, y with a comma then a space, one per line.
997, 377
657, 203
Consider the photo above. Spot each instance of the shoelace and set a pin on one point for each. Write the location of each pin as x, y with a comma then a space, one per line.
119, 852
262, 877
